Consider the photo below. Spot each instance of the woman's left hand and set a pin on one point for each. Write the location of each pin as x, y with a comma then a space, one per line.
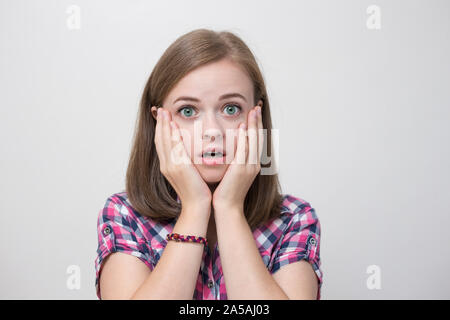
232, 190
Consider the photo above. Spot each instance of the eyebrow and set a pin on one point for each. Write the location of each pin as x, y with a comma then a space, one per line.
224, 96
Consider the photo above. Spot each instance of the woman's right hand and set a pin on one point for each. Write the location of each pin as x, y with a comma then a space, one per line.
176, 165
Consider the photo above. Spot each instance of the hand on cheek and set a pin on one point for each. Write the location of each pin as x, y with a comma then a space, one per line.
177, 167
231, 191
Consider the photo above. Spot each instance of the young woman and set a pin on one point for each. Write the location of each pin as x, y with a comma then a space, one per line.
195, 171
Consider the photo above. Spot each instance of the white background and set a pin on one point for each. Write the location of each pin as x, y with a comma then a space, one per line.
363, 117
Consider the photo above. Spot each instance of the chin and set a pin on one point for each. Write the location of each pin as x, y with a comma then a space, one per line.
212, 174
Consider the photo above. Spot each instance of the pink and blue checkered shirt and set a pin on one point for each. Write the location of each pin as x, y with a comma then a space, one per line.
292, 236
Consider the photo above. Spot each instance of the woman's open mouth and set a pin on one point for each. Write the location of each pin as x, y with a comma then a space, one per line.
213, 158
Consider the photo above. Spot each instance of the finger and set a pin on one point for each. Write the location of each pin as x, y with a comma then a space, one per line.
158, 137
260, 134
252, 137
176, 136
166, 132
178, 150
241, 156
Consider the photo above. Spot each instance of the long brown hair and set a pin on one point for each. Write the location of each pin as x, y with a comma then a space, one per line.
148, 190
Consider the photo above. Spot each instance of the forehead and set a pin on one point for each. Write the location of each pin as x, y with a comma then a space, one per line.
210, 81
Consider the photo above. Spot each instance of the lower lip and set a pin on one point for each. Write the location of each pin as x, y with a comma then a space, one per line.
213, 161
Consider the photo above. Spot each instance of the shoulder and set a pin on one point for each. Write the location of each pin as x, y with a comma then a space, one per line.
298, 216
296, 208
292, 204
116, 207
117, 211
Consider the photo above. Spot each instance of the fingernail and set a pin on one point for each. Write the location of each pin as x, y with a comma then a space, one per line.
259, 110
254, 114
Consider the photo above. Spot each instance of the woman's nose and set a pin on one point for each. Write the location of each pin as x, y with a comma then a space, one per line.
211, 134
212, 129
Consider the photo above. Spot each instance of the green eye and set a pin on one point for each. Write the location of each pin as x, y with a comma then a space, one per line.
186, 111
231, 109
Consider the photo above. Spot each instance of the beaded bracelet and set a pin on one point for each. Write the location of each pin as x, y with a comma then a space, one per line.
179, 237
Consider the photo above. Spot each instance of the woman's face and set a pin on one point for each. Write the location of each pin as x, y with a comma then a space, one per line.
207, 114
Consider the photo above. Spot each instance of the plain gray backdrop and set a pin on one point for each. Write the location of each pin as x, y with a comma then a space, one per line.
362, 113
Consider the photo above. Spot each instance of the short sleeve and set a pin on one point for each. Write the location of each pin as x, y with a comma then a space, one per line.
116, 234
301, 240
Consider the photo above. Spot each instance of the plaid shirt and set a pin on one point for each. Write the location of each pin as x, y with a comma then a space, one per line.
293, 236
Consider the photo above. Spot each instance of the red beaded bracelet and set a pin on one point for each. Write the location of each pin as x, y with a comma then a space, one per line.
179, 237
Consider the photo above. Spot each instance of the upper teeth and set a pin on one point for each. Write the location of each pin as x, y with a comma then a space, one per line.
212, 154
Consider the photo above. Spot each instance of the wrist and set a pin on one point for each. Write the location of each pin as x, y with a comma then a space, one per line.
198, 210
228, 208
